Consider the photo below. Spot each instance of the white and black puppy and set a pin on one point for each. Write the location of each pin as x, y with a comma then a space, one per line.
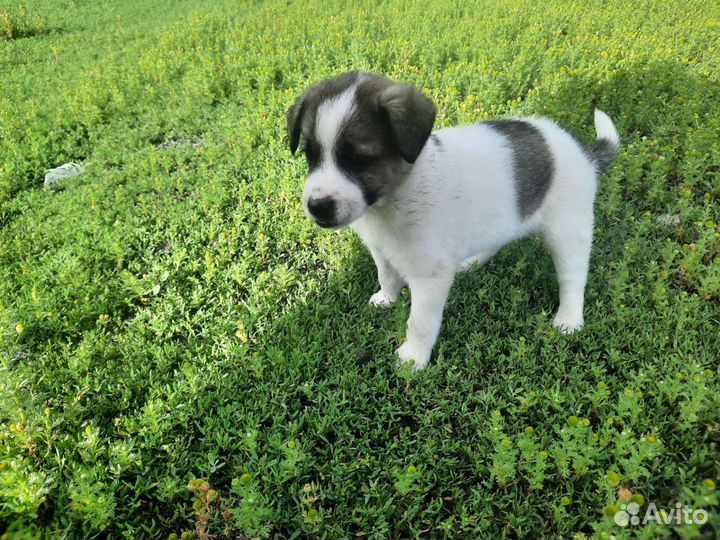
428, 205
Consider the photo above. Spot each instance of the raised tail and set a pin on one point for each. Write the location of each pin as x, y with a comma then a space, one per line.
607, 146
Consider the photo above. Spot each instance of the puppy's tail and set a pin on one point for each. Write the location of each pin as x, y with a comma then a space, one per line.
607, 145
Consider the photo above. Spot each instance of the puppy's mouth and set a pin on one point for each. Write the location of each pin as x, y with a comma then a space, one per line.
329, 224
326, 224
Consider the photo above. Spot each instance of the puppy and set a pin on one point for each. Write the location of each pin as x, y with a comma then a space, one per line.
428, 205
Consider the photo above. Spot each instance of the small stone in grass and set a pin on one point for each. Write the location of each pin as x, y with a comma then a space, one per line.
55, 178
667, 220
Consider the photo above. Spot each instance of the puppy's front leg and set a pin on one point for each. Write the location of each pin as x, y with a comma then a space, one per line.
390, 282
428, 296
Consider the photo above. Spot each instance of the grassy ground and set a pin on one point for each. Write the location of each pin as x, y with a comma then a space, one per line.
172, 316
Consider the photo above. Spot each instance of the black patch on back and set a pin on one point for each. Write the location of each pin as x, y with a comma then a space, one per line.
533, 165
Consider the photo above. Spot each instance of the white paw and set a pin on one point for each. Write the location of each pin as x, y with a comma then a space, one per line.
568, 324
417, 356
382, 300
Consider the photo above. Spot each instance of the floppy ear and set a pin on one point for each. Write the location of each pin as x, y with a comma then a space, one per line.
411, 116
294, 120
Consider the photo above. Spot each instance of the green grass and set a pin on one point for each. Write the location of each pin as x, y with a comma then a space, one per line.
172, 316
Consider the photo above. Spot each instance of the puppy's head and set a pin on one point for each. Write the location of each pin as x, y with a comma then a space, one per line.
361, 133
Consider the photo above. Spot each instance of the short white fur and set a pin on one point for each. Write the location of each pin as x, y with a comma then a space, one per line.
458, 207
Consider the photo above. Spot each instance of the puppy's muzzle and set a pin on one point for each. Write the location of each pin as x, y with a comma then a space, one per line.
323, 211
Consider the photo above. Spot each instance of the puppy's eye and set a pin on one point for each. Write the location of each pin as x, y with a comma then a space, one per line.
312, 152
351, 156
363, 160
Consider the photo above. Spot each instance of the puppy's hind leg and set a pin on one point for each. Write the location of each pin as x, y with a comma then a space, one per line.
569, 242
391, 283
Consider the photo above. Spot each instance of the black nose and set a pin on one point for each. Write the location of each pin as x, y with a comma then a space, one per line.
323, 210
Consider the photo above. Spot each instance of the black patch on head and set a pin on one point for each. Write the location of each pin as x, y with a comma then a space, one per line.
386, 131
411, 116
312, 151
366, 148
361, 166
436, 140
305, 107
533, 165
